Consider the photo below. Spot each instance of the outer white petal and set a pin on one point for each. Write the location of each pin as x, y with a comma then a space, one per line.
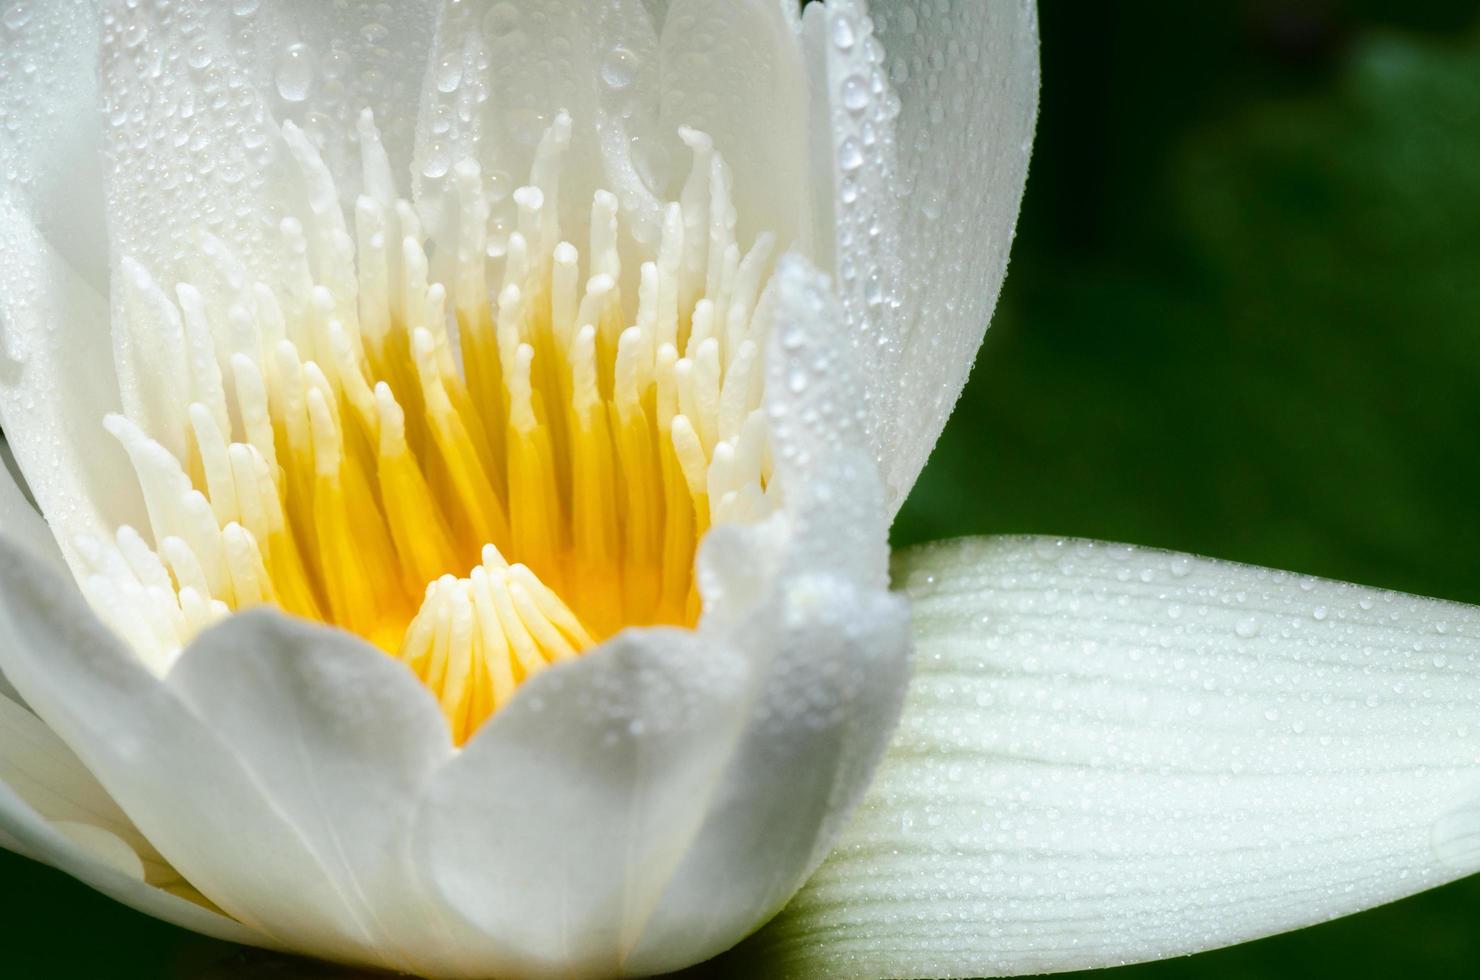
102, 861
22, 523
828, 645
53, 810
555, 830
341, 741
186, 790
923, 119
1112, 754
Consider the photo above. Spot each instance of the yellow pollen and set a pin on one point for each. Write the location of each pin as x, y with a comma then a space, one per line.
482, 473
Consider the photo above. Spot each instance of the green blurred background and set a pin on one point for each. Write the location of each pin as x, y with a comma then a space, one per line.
1243, 319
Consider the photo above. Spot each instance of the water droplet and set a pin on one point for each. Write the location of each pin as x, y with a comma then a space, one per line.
199, 56
843, 35
619, 68
908, 21
855, 93
653, 163
850, 157
438, 159
449, 72
17, 16
1247, 627
245, 8
295, 70
133, 35
502, 19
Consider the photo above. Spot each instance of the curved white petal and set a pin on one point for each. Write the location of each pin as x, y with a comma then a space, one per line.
500, 74
629, 77
57, 383
924, 117
101, 861
50, 129
152, 753
22, 523
342, 741
815, 727
54, 382
196, 96
40, 769
1113, 754
827, 644
53, 810
734, 69
555, 829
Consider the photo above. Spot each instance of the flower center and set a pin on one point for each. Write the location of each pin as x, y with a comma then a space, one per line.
480, 475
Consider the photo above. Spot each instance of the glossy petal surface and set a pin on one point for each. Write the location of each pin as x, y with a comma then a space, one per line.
1112, 754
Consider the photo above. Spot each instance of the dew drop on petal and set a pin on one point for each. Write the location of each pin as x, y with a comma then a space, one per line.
17, 16
294, 76
855, 93
843, 35
850, 156
438, 160
619, 68
449, 73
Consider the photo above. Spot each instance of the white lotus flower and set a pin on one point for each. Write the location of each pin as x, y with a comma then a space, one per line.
670, 273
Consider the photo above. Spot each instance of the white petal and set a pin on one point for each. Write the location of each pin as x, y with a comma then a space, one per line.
341, 739
555, 829
813, 377
54, 382
733, 69
52, 809
1112, 754
57, 383
922, 205
833, 669
98, 859
629, 79
194, 95
189, 793
828, 647
50, 129
40, 769
21, 522
321, 64
500, 74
